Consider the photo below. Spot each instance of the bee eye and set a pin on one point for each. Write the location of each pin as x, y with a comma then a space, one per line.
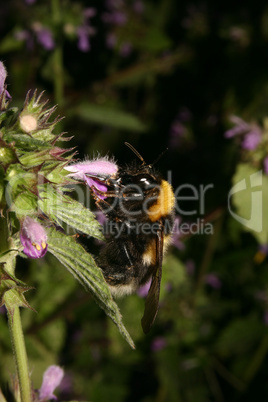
146, 180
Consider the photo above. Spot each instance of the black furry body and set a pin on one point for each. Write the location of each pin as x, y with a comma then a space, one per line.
136, 232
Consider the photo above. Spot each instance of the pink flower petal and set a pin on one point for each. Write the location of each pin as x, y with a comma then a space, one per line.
51, 379
33, 237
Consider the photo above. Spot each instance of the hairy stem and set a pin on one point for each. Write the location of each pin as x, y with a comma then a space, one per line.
17, 339
20, 355
57, 55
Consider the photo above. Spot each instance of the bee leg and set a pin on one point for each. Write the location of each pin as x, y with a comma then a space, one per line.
104, 193
106, 208
128, 257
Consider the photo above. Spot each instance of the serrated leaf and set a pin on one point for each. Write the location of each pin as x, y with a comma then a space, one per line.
109, 116
31, 159
25, 142
11, 291
62, 208
15, 298
82, 266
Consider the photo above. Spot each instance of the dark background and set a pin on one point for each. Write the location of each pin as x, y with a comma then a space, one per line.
188, 67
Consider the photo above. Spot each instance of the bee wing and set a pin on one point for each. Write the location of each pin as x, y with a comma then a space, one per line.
152, 299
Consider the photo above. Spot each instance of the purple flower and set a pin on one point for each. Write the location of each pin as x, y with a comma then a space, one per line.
240, 127
85, 30
94, 173
252, 139
158, 343
45, 39
33, 237
44, 36
83, 39
213, 281
144, 289
51, 379
101, 217
3, 75
251, 133
265, 165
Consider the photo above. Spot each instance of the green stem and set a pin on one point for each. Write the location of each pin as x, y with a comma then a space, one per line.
20, 355
15, 328
58, 75
57, 56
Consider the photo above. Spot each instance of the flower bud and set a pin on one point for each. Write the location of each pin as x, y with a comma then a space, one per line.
33, 237
28, 123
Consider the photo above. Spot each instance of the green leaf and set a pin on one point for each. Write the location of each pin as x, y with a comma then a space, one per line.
108, 116
2, 187
155, 40
82, 266
10, 44
249, 195
62, 208
11, 291
31, 159
24, 204
239, 335
25, 143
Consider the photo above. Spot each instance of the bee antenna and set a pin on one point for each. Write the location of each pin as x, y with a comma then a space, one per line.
135, 152
159, 157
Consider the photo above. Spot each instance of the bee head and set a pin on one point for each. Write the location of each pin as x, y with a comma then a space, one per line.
144, 167
143, 175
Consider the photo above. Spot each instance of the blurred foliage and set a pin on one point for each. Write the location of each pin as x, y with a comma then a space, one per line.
157, 73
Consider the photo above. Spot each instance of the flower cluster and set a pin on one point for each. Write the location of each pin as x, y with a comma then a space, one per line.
29, 160
118, 18
75, 25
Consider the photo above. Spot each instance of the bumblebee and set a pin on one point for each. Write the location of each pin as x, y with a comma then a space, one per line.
139, 206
